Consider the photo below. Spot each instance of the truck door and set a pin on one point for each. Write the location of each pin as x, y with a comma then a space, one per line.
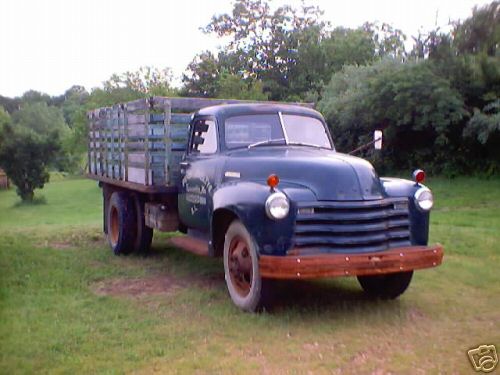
198, 173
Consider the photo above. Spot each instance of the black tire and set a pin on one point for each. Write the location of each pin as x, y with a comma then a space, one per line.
241, 269
389, 286
144, 234
121, 223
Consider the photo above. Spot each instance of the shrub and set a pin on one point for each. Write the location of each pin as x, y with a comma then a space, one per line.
25, 155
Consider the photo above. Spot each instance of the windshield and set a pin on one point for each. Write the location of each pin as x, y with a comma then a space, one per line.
305, 130
266, 129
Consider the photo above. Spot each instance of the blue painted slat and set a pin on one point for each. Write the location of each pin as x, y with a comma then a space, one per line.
176, 132
180, 118
175, 118
157, 117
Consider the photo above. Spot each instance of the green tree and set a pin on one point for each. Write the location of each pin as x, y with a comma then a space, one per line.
4, 118
484, 105
419, 112
263, 43
485, 123
319, 55
202, 75
217, 77
147, 81
230, 86
10, 104
25, 157
290, 50
388, 41
480, 33
33, 96
72, 101
40, 118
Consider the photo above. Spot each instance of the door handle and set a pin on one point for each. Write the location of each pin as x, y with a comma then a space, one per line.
184, 164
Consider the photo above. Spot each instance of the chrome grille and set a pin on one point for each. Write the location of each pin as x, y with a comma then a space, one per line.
351, 226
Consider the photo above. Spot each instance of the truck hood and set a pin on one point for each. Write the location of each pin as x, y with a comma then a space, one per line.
331, 176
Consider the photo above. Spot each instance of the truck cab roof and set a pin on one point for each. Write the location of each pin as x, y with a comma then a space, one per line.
229, 110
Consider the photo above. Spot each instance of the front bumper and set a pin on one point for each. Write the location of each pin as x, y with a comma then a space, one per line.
333, 265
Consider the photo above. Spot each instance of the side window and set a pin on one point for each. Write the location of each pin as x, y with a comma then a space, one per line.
204, 139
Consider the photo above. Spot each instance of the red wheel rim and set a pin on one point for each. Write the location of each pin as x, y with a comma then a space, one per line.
240, 266
115, 225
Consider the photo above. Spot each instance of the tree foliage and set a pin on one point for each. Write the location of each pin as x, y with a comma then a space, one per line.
40, 118
479, 33
4, 118
413, 106
25, 156
233, 87
484, 123
292, 51
146, 80
202, 76
263, 43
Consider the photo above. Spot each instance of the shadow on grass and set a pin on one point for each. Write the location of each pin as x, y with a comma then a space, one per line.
339, 296
38, 200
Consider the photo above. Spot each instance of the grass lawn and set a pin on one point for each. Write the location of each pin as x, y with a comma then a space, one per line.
67, 305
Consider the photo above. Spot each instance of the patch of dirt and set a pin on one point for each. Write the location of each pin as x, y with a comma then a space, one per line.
61, 245
137, 288
360, 358
414, 314
57, 245
73, 241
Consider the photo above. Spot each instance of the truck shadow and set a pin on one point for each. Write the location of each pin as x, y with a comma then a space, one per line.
322, 295
333, 296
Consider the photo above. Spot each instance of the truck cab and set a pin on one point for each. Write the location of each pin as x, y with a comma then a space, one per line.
262, 186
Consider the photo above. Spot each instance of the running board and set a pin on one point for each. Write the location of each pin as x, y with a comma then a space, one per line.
193, 245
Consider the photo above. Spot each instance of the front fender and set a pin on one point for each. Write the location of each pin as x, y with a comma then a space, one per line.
419, 221
246, 200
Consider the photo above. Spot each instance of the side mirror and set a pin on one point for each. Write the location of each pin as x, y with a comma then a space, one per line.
377, 139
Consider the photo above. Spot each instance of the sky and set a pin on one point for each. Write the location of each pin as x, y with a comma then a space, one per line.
51, 45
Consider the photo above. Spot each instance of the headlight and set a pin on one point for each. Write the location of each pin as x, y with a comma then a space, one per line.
424, 199
277, 206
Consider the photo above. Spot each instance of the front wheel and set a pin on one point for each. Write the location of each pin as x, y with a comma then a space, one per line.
241, 268
388, 286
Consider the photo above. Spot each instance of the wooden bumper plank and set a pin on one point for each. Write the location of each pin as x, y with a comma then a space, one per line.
333, 265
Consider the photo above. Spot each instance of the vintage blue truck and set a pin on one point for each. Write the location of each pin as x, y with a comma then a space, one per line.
261, 185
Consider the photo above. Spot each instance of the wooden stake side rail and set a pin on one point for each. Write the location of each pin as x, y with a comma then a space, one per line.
334, 265
138, 143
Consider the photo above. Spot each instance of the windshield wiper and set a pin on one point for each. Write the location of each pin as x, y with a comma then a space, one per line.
267, 141
308, 145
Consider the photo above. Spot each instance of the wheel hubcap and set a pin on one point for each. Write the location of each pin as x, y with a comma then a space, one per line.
240, 266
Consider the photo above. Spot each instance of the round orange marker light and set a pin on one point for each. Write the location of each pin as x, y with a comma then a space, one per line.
419, 176
273, 181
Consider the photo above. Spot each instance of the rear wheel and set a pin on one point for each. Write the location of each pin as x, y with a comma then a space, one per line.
121, 223
388, 286
144, 234
241, 269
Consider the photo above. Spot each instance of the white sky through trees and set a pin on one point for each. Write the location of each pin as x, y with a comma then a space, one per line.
51, 45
